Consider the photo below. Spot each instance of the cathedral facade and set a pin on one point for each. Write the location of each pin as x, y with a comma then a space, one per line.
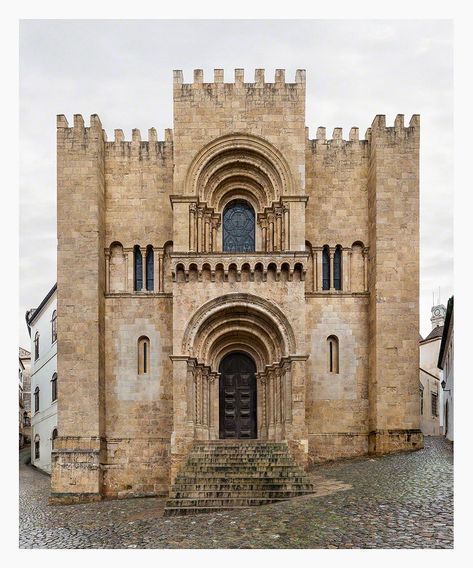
236, 280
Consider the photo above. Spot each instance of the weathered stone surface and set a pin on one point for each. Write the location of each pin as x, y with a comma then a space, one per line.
126, 433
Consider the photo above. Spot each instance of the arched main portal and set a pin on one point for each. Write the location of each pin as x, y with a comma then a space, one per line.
237, 396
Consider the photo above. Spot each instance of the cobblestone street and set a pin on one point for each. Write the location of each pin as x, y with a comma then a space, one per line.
396, 501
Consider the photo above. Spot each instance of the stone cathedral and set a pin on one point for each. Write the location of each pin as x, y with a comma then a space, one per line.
236, 285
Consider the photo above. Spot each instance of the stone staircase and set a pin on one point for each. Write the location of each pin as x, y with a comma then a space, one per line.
234, 474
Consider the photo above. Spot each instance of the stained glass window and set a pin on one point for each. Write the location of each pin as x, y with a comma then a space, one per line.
238, 227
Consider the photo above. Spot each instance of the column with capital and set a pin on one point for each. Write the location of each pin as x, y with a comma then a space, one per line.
331, 254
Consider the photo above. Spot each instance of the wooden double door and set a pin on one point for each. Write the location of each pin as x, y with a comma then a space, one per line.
237, 396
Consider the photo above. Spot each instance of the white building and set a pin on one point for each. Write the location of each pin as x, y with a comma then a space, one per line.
445, 362
431, 420
42, 327
24, 396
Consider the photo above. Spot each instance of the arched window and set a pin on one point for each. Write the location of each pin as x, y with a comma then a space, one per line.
26, 419
36, 447
36, 399
149, 268
421, 395
36, 346
138, 268
54, 388
143, 355
238, 227
332, 344
337, 268
325, 268
54, 327
53, 437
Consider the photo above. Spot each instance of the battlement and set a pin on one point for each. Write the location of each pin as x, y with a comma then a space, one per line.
378, 125
80, 130
79, 133
239, 80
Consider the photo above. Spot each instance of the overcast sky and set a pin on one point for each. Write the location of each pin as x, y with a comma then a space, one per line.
122, 70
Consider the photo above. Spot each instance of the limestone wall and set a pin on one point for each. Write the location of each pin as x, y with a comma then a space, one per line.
337, 402
204, 111
138, 406
393, 197
337, 172
138, 179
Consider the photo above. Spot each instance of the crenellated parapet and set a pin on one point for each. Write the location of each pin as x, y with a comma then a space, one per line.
80, 134
395, 132
218, 85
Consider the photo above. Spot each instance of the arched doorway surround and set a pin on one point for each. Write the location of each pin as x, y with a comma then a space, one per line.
258, 328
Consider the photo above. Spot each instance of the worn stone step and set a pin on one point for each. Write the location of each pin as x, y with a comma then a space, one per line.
276, 469
223, 502
232, 494
244, 485
222, 475
178, 511
284, 460
242, 474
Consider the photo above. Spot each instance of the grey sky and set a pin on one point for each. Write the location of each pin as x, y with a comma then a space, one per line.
122, 70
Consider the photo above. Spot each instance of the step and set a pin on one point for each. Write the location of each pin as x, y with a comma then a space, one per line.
219, 475
222, 475
242, 486
178, 511
223, 494
227, 502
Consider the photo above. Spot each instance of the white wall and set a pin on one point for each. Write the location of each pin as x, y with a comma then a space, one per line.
44, 421
428, 353
448, 390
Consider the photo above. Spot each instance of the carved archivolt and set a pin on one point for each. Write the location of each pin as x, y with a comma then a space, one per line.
245, 319
239, 158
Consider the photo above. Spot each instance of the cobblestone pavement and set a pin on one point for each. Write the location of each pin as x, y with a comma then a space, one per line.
397, 501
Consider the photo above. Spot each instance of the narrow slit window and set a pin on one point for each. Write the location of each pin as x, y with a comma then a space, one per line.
337, 268
143, 355
333, 357
138, 268
149, 268
325, 269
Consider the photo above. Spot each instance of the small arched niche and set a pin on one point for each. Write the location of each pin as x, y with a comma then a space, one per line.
117, 268
357, 267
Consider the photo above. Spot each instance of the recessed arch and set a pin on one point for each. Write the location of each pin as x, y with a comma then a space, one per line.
241, 319
242, 157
